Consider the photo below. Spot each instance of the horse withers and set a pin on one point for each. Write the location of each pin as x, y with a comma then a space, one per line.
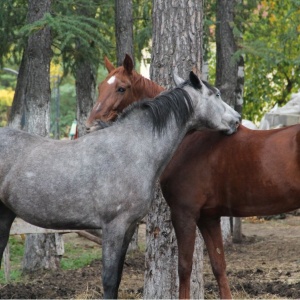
250, 173
110, 181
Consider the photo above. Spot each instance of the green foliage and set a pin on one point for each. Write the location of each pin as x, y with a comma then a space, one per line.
271, 45
77, 32
12, 18
267, 34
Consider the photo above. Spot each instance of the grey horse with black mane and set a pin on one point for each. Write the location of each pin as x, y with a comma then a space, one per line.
110, 181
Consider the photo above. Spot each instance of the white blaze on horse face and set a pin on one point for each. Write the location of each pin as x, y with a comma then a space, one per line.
98, 106
111, 80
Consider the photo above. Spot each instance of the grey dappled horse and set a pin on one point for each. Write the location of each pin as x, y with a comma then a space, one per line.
105, 179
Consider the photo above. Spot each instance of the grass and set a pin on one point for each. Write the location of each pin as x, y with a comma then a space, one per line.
16, 247
77, 255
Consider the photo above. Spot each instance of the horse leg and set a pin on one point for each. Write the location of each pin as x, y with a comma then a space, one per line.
6, 219
116, 238
185, 229
212, 235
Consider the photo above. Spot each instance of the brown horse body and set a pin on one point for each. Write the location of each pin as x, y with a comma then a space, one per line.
211, 175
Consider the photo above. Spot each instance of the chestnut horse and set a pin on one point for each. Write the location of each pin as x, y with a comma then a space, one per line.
211, 175
122, 87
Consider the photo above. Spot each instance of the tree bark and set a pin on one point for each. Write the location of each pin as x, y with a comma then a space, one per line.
85, 77
31, 106
237, 230
124, 45
85, 92
31, 112
227, 67
124, 29
229, 76
177, 46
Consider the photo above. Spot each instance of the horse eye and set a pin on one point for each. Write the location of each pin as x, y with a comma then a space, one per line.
121, 90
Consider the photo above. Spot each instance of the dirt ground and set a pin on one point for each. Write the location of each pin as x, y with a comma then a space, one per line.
265, 265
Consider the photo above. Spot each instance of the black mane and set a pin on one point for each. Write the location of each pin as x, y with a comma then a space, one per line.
175, 102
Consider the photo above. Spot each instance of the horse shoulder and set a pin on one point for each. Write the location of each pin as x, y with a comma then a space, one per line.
193, 164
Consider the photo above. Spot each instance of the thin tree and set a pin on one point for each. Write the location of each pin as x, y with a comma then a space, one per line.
124, 45
124, 29
31, 112
229, 74
177, 46
85, 74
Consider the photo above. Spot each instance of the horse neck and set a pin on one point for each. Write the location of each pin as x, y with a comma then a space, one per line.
156, 148
145, 88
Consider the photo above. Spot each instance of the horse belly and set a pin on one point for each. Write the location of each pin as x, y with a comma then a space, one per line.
261, 200
54, 201
46, 204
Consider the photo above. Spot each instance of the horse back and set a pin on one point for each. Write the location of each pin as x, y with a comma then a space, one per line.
242, 174
14, 144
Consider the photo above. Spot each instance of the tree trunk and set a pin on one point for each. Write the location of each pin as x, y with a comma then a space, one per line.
43, 251
85, 77
85, 92
31, 112
237, 222
240, 86
124, 45
124, 29
229, 75
177, 46
237, 230
227, 67
226, 231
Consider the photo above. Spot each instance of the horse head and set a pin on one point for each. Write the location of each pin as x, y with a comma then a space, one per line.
122, 86
209, 106
114, 92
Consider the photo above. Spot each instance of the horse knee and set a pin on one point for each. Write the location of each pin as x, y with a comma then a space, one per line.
184, 270
219, 270
110, 286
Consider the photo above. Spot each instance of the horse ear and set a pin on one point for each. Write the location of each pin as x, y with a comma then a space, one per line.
109, 66
128, 64
178, 80
195, 81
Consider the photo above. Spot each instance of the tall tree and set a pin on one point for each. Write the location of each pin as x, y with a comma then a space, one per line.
124, 29
31, 112
229, 77
85, 75
124, 45
85, 92
227, 67
177, 46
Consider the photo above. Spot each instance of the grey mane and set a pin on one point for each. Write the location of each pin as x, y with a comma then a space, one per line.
159, 110
175, 102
